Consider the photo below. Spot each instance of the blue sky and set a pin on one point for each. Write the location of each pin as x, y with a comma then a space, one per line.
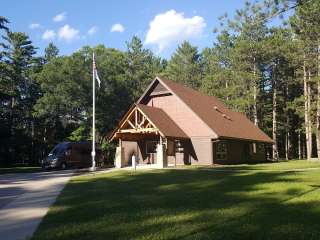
72, 24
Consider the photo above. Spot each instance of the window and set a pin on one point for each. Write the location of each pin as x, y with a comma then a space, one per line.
179, 146
254, 148
260, 147
221, 151
151, 147
60, 149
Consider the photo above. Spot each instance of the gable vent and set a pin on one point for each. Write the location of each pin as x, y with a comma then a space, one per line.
226, 117
217, 109
223, 114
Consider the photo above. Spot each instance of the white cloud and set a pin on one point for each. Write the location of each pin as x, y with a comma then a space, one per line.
48, 35
60, 17
68, 33
171, 27
117, 28
92, 30
34, 26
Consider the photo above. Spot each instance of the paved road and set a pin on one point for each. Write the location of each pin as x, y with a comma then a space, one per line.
25, 199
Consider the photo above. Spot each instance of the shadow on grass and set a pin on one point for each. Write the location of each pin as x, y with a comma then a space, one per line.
287, 165
187, 204
5, 170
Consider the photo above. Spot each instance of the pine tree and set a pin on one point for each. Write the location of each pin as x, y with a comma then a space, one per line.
51, 51
218, 78
184, 66
305, 23
20, 92
142, 66
250, 26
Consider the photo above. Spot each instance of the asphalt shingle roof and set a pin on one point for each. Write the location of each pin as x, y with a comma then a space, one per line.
224, 122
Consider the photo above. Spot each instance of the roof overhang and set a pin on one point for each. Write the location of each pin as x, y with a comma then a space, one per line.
143, 121
222, 138
136, 122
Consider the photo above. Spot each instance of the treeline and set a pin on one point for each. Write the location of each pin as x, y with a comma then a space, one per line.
270, 72
46, 100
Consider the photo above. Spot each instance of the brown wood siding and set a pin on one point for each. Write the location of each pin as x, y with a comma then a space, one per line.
236, 152
171, 159
260, 155
202, 151
159, 89
132, 147
239, 152
180, 158
187, 120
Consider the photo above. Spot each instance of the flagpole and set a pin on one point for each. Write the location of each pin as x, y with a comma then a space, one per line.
93, 153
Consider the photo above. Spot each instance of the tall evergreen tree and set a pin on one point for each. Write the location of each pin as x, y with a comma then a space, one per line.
305, 23
142, 66
184, 66
19, 93
51, 52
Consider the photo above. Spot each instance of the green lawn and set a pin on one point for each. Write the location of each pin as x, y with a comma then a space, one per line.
249, 202
19, 169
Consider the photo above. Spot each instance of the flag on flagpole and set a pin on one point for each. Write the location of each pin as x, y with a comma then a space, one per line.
95, 72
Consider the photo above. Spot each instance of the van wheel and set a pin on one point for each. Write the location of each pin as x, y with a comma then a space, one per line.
63, 166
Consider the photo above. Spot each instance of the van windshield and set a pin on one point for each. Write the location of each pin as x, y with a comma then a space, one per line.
60, 149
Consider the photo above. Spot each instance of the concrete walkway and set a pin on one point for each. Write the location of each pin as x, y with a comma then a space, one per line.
25, 199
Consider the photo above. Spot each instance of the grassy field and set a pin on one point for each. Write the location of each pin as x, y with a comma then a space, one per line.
243, 202
19, 170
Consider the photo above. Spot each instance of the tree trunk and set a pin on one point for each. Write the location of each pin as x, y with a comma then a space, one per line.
44, 149
318, 106
32, 141
288, 142
309, 115
287, 146
274, 117
299, 145
303, 146
227, 85
12, 132
306, 108
255, 107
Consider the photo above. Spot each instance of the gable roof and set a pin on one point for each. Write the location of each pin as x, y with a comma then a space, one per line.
162, 121
224, 122
166, 126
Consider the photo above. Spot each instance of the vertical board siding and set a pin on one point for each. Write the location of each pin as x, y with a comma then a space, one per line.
187, 120
138, 149
236, 152
239, 152
130, 148
203, 151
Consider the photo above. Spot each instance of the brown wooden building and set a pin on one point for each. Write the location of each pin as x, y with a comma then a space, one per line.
174, 124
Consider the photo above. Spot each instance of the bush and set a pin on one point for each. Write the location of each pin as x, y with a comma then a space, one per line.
108, 150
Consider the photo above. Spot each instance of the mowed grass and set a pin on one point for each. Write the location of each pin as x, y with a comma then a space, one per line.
191, 203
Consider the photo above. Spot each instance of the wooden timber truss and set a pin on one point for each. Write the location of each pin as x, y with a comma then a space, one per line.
137, 122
